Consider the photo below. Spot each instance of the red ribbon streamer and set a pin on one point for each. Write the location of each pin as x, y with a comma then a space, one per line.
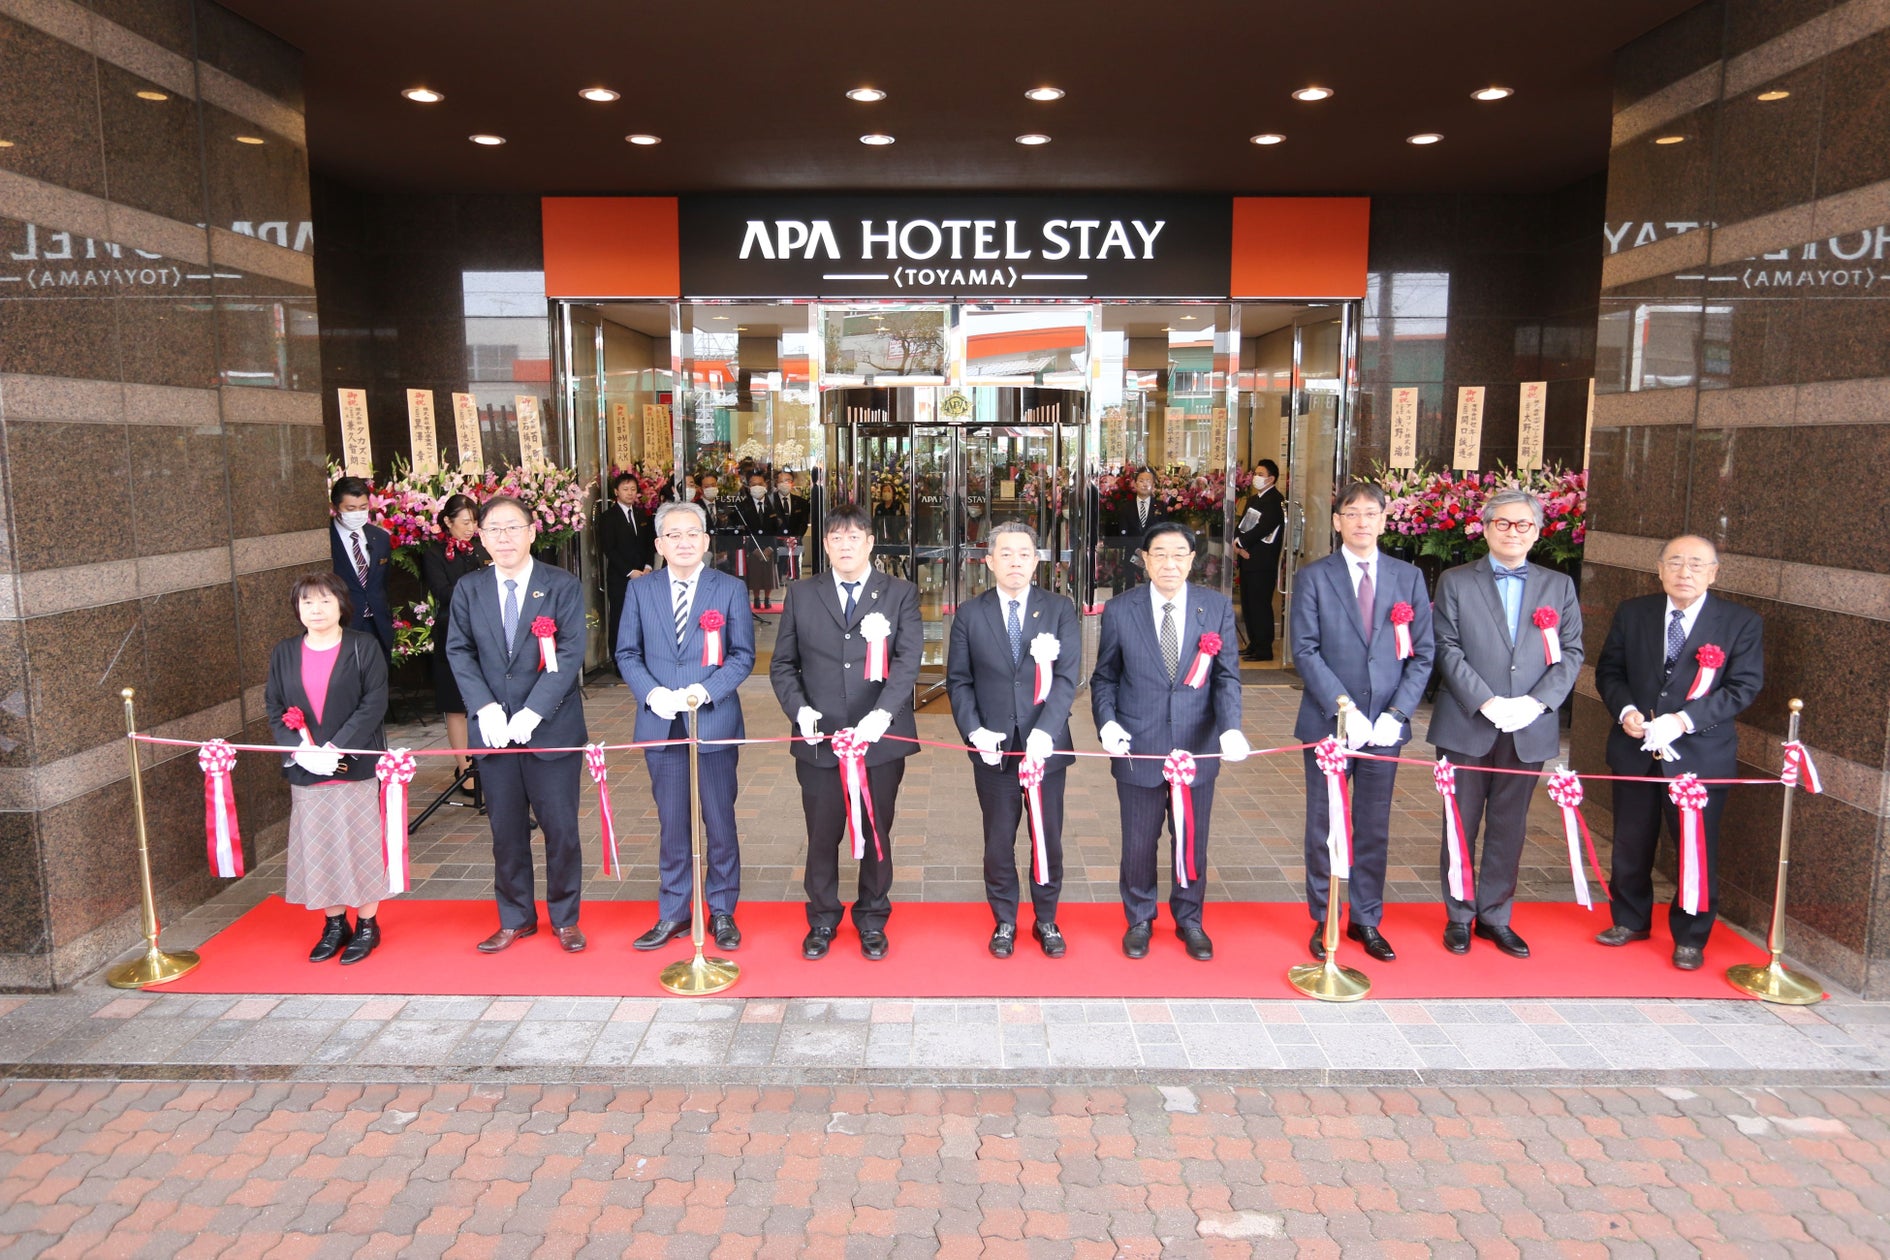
1330, 759
1687, 793
1565, 789
595, 762
222, 836
395, 770
1030, 778
851, 750
1461, 879
1179, 770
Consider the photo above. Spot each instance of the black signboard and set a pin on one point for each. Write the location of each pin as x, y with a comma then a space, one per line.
956, 247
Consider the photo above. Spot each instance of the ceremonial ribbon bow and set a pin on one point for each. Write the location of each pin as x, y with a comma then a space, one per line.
1179, 769
1689, 795
222, 837
395, 770
711, 623
1459, 879
851, 750
1030, 779
1208, 646
545, 630
1565, 789
1546, 620
1044, 650
1712, 659
1401, 617
594, 761
1330, 759
1798, 766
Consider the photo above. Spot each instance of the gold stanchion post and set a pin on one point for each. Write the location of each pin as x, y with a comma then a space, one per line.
155, 966
1328, 981
699, 975
1775, 982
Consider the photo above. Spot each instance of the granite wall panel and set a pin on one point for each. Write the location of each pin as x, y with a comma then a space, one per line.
59, 516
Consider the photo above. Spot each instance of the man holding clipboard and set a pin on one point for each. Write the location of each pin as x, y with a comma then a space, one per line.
1259, 538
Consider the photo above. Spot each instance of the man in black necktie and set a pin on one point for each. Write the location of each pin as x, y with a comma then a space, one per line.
1134, 518
629, 543
1676, 670
361, 553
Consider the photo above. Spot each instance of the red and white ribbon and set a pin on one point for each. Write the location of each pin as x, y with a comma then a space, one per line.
1712, 659
1547, 620
1044, 650
395, 770
595, 762
296, 720
1179, 770
741, 562
711, 622
1689, 794
1799, 771
876, 630
1565, 789
794, 559
851, 750
1401, 616
222, 838
545, 630
1208, 647
1030, 779
1330, 759
1457, 877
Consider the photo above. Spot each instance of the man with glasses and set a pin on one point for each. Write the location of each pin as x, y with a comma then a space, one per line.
501, 661
1674, 704
1345, 643
1497, 709
667, 655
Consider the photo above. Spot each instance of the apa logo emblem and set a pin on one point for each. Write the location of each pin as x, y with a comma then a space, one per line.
956, 406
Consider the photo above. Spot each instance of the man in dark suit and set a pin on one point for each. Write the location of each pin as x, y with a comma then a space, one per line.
1498, 706
788, 518
1346, 644
1132, 519
517, 699
1654, 658
999, 642
665, 656
835, 630
1152, 694
361, 553
629, 544
1258, 540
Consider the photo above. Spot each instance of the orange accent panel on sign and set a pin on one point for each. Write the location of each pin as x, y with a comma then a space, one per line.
1300, 247
611, 247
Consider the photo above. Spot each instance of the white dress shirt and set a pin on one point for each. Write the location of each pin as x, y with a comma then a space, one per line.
1180, 601
1353, 571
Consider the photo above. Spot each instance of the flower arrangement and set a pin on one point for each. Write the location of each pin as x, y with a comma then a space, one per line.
1439, 514
413, 632
650, 484
1177, 488
408, 506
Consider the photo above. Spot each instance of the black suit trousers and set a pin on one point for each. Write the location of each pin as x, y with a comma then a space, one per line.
1495, 809
1258, 577
615, 585
1143, 811
1372, 784
514, 782
825, 805
1002, 802
1639, 810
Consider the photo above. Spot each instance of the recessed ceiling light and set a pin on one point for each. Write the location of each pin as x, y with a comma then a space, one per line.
1425, 137
602, 95
1492, 93
1045, 94
722, 319
876, 138
1314, 93
424, 95
248, 139
1186, 318
741, 328
644, 139
866, 95
151, 94
1166, 328
1774, 94
6, 144
487, 140
1267, 137
1033, 137
1669, 139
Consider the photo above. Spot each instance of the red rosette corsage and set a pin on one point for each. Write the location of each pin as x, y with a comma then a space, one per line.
1402, 614
294, 719
1546, 618
712, 622
545, 630
1210, 643
1711, 655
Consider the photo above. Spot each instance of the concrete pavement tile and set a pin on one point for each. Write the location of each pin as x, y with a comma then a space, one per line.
554, 1041
415, 1043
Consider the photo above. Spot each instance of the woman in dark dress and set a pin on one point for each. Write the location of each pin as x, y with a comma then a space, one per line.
443, 562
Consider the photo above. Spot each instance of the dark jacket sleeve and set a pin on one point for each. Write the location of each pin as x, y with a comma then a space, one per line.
1225, 674
1106, 677
961, 682
784, 667
436, 575
1611, 675
908, 646
1069, 668
1743, 675
363, 727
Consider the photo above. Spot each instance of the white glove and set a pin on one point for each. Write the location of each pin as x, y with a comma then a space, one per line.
492, 726
665, 702
317, 761
1358, 729
524, 722
700, 692
1234, 746
1662, 732
1115, 740
986, 742
1387, 732
873, 725
1523, 711
809, 722
1038, 746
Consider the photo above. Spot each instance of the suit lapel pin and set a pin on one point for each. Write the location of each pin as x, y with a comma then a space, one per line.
875, 594
538, 594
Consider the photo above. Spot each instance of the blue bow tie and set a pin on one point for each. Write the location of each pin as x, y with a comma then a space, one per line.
1518, 574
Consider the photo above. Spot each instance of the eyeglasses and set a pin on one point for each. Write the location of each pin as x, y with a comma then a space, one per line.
1504, 525
501, 531
684, 535
1372, 515
1675, 564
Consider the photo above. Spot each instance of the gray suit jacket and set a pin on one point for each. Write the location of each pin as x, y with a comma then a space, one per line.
489, 670
1478, 658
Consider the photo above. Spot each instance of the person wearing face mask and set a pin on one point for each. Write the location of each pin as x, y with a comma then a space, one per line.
788, 516
361, 553
443, 562
1258, 541
749, 516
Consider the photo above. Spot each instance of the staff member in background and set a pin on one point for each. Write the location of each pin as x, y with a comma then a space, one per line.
625, 533
361, 553
498, 661
1258, 541
1143, 702
443, 562
997, 642
1653, 657
749, 515
1498, 706
661, 651
819, 675
789, 514
337, 677
1344, 644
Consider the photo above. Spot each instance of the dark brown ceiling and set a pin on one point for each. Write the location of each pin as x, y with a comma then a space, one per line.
747, 95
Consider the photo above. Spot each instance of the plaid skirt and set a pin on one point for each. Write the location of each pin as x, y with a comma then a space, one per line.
335, 845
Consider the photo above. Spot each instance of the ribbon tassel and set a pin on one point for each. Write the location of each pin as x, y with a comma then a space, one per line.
1565, 789
1689, 795
222, 837
395, 770
595, 762
851, 750
1179, 769
1030, 779
1799, 771
1330, 759
1459, 878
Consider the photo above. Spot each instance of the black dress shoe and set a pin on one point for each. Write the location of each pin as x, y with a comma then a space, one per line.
1506, 940
1263, 656
873, 944
1685, 957
335, 937
1618, 935
816, 942
1135, 940
1375, 944
1048, 937
1200, 948
367, 934
727, 935
1318, 944
665, 931
1457, 937
1003, 940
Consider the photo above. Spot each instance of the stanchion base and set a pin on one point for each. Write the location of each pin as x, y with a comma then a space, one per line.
1328, 981
1775, 983
699, 975
154, 968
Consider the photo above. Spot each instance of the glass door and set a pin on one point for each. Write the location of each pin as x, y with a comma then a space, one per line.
1315, 448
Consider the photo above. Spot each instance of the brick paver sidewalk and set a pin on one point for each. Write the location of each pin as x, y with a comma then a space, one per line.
199, 1170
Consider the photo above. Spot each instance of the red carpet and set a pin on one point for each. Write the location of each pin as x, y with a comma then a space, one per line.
938, 950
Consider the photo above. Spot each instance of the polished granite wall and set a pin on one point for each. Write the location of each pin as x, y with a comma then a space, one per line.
160, 446
1743, 393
